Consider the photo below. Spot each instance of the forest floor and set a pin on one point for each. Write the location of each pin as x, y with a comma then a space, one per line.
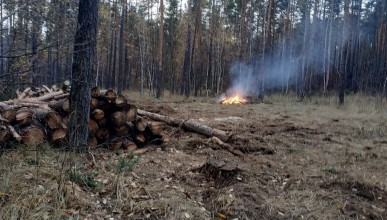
295, 160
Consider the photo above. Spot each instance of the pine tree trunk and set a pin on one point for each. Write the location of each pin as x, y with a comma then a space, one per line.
159, 80
121, 48
82, 74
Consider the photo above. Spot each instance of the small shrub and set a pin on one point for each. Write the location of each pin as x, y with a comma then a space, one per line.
84, 180
330, 169
127, 164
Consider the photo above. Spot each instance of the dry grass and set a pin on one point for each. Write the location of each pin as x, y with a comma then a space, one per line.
326, 162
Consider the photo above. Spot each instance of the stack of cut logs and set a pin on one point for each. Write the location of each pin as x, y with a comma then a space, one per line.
41, 115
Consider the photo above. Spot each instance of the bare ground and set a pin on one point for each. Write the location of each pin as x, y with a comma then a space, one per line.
295, 160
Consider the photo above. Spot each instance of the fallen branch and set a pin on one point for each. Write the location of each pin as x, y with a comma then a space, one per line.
18, 104
17, 137
48, 96
190, 125
46, 88
24, 93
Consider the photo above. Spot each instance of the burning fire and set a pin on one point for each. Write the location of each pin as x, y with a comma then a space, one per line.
233, 100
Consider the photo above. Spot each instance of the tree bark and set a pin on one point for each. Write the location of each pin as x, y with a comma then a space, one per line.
344, 53
185, 84
82, 74
160, 53
121, 63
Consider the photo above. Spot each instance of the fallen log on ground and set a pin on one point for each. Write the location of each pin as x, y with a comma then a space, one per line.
190, 125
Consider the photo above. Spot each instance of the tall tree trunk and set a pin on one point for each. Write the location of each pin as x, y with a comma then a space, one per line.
344, 61
114, 49
159, 74
266, 43
121, 49
187, 58
36, 77
142, 61
1, 40
82, 74
196, 50
305, 48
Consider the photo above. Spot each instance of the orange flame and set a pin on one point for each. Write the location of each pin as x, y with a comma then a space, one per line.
233, 100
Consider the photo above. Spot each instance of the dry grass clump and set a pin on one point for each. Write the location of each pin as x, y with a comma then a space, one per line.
51, 183
30, 183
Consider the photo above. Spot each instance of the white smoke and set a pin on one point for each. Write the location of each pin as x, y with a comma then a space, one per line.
248, 79
282, 67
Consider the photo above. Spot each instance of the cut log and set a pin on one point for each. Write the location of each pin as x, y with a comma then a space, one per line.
54, 120
93, 127
121, 101
130, 111
165, 137
92, 142
141, 123
103, 134
24, 117
94, 103
40, 114
122, 130
115, 143
48, 96
95, 92
65, 120
98, 114
58, 135
66, 106
9, 115
38, 100
190, 125
33, 136
55, 88
16, 104
155, 127
2, 120
110, 95
139, 138
66, 86
103, 123
118, 119
5, 135
5, 106
130, 125
62, 106
62, 96
128, 144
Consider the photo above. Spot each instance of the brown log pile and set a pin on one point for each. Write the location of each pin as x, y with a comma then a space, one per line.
38, 116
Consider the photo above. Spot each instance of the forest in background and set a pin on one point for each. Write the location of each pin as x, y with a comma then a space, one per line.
203, 47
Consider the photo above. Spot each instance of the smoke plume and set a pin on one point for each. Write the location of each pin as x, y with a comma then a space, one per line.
282, 67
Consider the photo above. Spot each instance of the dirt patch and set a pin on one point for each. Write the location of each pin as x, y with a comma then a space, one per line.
239, 201
362, 200
221, 172
366, 191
